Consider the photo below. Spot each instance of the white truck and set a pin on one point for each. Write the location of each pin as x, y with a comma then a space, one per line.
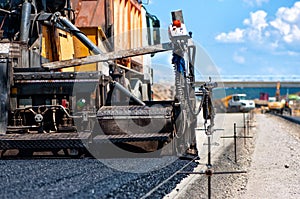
239, 103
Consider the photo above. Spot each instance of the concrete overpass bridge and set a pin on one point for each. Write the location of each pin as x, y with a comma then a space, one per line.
255, 81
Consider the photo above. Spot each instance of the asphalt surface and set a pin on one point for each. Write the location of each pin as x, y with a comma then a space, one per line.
87, 178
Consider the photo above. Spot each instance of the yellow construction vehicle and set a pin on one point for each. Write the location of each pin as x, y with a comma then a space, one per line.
277, 105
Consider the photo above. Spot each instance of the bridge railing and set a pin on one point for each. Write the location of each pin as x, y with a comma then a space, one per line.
254, 78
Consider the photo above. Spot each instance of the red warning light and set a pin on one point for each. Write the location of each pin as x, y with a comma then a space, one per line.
177, 23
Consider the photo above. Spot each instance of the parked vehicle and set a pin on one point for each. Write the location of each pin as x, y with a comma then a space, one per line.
238, 103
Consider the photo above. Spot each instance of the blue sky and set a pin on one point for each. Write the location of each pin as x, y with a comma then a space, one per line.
242, 37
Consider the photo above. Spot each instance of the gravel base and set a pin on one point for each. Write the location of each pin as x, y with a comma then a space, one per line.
225, 185
274, 172
271, 159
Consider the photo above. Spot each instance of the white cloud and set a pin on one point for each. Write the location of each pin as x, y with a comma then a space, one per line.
292, 53
253, 31
256, 25
283, 27
288, 52
255, 2
267, 34
233, 36
293, 36
287, 23
282, 33
291, 15
274, 45
238, 58
257, 20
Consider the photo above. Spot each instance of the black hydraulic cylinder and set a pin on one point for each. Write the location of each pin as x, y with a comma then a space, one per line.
25, 22
4, 87
79, 35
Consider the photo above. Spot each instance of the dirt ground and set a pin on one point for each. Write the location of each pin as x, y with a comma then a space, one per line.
274, 171
271, 159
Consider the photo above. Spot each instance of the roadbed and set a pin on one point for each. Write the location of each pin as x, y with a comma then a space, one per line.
274, 172
271, 159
